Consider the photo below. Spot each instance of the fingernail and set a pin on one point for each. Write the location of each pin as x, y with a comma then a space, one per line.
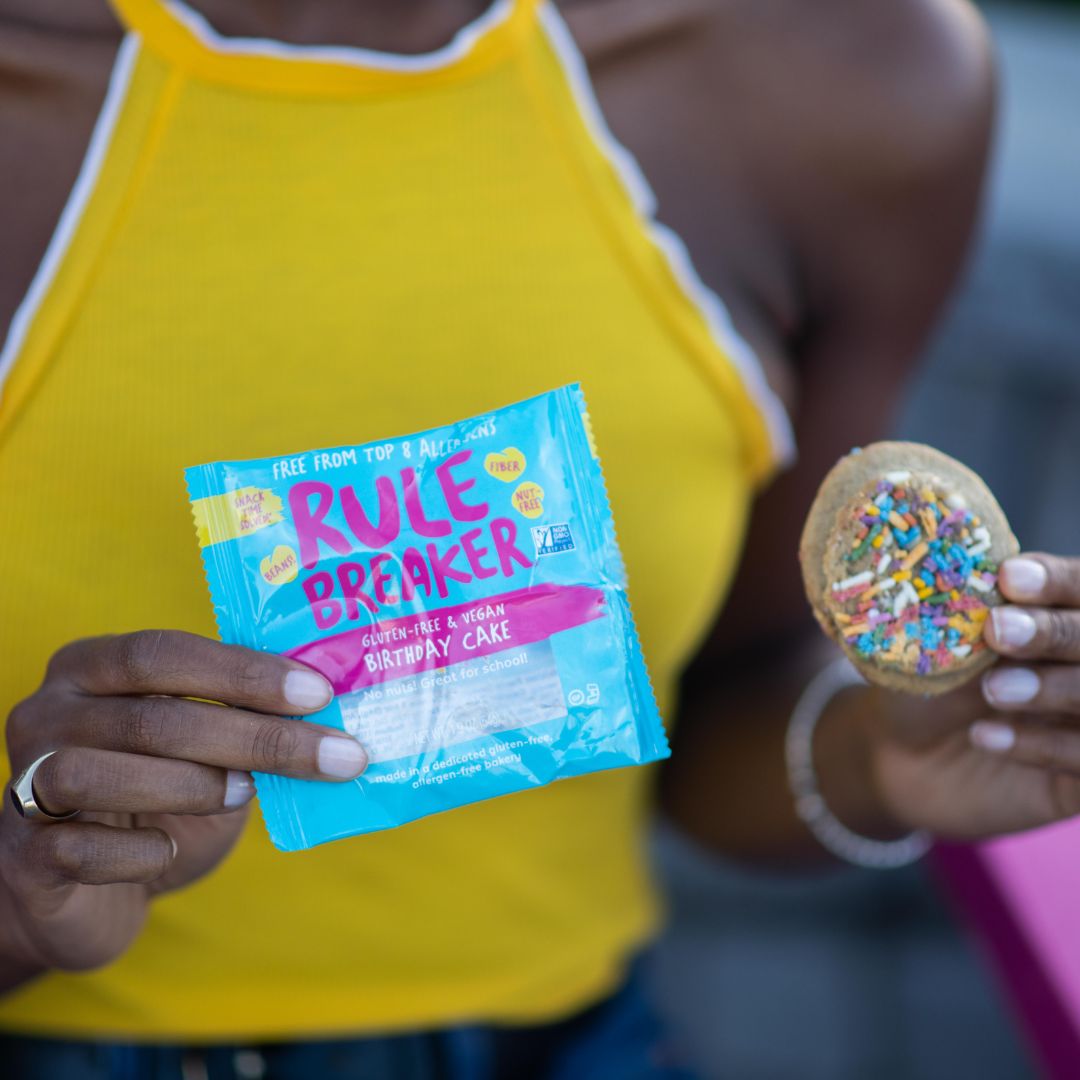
1024, 579
239, 787
175, 845
307, 690
1011, 686
341, 757
1012, 626
992, 736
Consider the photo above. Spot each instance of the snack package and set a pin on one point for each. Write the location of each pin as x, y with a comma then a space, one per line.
463, 592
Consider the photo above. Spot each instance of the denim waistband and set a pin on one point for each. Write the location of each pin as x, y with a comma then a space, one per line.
622, 1038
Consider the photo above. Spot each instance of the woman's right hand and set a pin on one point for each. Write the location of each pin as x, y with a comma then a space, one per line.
162, 782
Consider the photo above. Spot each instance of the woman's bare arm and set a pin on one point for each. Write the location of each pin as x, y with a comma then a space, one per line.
825, 164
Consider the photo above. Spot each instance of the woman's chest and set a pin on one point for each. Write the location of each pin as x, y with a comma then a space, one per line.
267, 284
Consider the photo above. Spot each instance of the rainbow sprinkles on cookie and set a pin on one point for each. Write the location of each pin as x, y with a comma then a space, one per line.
900, 557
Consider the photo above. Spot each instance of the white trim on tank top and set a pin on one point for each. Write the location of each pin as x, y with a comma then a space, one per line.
712, 308
71, 215
456, 49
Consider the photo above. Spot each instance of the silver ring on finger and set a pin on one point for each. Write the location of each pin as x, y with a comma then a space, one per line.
22, 795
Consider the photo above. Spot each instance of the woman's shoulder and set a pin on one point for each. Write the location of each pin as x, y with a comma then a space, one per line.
55, 59
914, 78
906, 74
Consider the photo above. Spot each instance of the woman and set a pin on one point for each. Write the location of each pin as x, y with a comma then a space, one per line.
310, 227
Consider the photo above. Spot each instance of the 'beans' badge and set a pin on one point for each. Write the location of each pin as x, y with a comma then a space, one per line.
280, 566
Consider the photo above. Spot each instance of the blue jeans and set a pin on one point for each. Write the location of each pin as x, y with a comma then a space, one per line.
620, 1039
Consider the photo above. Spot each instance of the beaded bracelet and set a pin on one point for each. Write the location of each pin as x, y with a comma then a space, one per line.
810, 805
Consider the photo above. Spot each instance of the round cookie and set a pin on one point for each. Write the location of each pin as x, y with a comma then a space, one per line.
899, 556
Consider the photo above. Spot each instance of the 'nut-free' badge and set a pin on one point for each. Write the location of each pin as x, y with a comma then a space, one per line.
529, 499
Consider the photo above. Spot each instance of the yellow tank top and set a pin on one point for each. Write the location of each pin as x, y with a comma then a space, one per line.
271, 248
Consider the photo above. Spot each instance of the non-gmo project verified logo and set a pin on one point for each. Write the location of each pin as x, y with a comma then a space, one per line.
551, 539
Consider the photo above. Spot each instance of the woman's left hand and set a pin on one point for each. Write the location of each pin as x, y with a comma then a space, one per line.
1003, 755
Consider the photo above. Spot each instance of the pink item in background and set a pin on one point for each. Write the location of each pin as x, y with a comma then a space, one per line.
1021, 894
